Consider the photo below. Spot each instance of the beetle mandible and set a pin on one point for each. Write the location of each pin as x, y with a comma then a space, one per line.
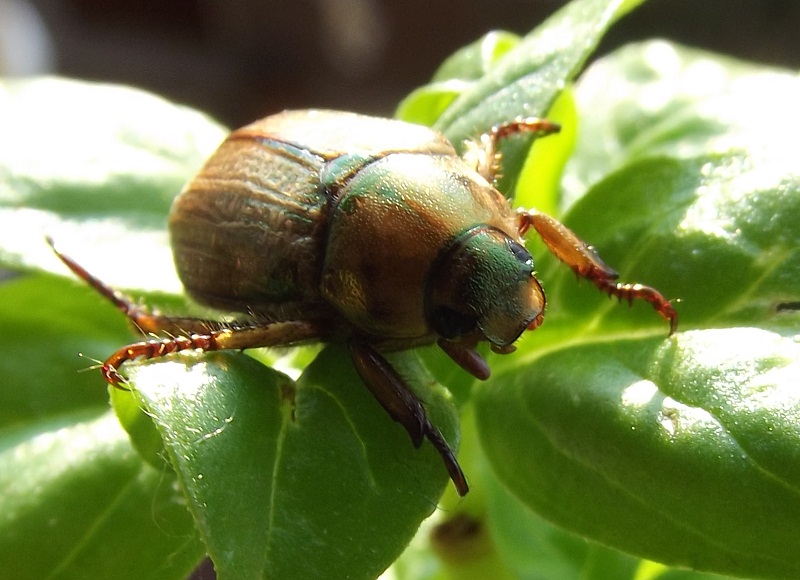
332, 226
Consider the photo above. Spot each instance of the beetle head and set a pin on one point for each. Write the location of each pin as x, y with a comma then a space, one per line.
482, 287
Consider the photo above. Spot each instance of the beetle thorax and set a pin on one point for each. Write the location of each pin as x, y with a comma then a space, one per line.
391, 223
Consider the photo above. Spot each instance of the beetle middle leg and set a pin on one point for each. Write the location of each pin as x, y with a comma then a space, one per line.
403, 406
584, 261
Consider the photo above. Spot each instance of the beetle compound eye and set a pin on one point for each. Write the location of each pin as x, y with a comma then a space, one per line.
524, 259
449, 323
520, 253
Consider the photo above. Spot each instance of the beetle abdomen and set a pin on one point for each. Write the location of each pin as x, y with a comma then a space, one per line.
247, 231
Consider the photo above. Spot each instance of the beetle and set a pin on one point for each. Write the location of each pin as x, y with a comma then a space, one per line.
321, 225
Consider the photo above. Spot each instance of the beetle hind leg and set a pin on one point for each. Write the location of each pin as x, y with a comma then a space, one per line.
404, 407
584, 261
147, 322
186, 333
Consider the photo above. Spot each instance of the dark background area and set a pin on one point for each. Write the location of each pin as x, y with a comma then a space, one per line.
243, 59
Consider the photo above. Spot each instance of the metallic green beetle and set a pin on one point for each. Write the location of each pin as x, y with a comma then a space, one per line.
332, 226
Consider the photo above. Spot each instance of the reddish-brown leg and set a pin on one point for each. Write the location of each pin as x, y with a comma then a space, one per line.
236, 337
186, 333
585, 262
465, 356
484, 154
403, 406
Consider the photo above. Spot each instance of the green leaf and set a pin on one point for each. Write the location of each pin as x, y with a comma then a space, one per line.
529, 543
74, 491
660, 99
52, 319
689, 446
723, 230
683, 449
526, 80
719, 229
98, 167
303, 480
75, 494
475, 60
455, 76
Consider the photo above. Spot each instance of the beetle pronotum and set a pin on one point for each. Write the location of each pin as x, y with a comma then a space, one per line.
323, 225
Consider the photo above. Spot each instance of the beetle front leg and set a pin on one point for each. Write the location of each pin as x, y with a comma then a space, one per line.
403, 406
484, 154
585, 262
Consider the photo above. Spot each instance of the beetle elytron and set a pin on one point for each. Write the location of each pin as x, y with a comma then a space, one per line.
323, 225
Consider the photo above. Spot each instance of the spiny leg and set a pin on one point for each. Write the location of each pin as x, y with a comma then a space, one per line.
585, 262
235, 337
484, 154
404, 407
147, 322
186, 333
